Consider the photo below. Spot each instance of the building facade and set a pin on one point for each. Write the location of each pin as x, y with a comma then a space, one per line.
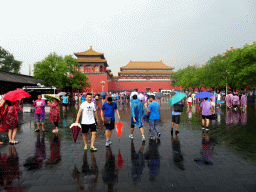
140, 75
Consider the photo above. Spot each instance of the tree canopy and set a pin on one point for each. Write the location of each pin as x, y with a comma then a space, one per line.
237, 68
8, 63
60, 71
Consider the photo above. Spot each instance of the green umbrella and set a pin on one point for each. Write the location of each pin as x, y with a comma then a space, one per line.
177, 98
50, 97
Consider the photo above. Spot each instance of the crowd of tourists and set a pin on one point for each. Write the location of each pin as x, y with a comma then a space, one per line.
144, 108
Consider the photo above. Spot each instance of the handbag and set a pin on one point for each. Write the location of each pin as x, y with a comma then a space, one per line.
213, 116
146, 118
178, 107
107, 120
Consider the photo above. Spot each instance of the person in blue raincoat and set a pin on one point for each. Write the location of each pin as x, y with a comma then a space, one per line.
137, 111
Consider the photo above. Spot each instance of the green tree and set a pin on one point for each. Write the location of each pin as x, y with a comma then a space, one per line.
8, 63
57, 71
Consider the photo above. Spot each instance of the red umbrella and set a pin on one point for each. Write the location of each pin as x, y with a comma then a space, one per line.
16, 95
119, 127
75, 128
120, 161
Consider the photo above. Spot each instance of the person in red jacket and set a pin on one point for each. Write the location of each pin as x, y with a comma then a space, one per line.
11, 120
54, 113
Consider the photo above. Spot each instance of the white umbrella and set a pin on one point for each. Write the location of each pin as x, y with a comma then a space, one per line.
141, 97
61, 94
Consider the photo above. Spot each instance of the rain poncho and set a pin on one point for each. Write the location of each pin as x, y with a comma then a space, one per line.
137, 111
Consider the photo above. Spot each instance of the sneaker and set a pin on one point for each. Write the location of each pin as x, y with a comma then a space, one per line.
206, 129
158, 134
55, 131
131, 136
107, 144
203, 128
152, 138
143, 138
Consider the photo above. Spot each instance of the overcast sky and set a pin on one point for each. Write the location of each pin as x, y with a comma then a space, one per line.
178, 32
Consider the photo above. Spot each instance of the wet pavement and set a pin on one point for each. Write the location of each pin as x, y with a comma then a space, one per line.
222, 160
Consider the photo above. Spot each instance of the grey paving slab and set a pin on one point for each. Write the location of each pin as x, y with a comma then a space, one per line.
154, 166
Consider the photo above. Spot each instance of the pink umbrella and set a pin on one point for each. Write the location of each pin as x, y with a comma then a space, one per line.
75, 128
16, 95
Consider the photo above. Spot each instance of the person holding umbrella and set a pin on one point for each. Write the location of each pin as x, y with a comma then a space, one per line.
54, 113
39, 105
11, 120
207, 111
88, 120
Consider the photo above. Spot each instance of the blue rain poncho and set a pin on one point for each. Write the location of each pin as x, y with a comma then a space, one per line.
137, 111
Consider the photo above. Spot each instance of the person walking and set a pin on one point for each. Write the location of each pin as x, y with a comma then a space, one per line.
175, 119
153, 109
218, 100
137, 111
54, 113
39, 105
89, 120
235, 101
189, 100
65, 102
108, 117
244, 101
207, 111
11, 116
229, 99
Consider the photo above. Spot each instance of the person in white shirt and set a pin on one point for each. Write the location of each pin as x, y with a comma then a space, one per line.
189, 100
88, 120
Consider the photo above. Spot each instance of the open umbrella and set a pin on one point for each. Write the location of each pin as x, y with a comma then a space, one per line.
103, 94
75, 128
50, 97
141, 97
172, 93
202, 95
159, 95
61, 94
119, 128
16, 95
177, 98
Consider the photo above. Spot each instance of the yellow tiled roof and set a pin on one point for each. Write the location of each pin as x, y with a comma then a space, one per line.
146, 72
89, 52
87, 60
146, 65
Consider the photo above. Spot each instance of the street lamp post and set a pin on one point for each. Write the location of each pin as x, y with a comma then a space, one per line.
102, 83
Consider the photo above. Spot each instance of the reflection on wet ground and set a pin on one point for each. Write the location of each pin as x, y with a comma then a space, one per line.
221, 160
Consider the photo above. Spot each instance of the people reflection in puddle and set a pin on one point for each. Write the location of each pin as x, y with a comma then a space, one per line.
244, 116
177, 155
9, 167
36, 162
64, 120
138, 162
153, 158
110, 171
206, 152
90, 175
55, 157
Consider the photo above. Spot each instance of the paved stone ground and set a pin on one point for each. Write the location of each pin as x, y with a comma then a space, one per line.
165, 165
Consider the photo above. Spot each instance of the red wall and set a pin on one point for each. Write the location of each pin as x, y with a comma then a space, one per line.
141, 86
95, 83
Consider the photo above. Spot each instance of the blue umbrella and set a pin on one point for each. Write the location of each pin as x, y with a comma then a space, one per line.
177, 98
103, 94
202, 95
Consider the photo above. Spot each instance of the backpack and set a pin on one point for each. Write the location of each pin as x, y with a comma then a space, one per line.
178, 107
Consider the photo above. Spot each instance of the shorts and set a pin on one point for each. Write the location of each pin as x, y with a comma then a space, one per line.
132, 126
176, 119
190, 103
92, 127
206, 116
110, 126
40, 121
65, 104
